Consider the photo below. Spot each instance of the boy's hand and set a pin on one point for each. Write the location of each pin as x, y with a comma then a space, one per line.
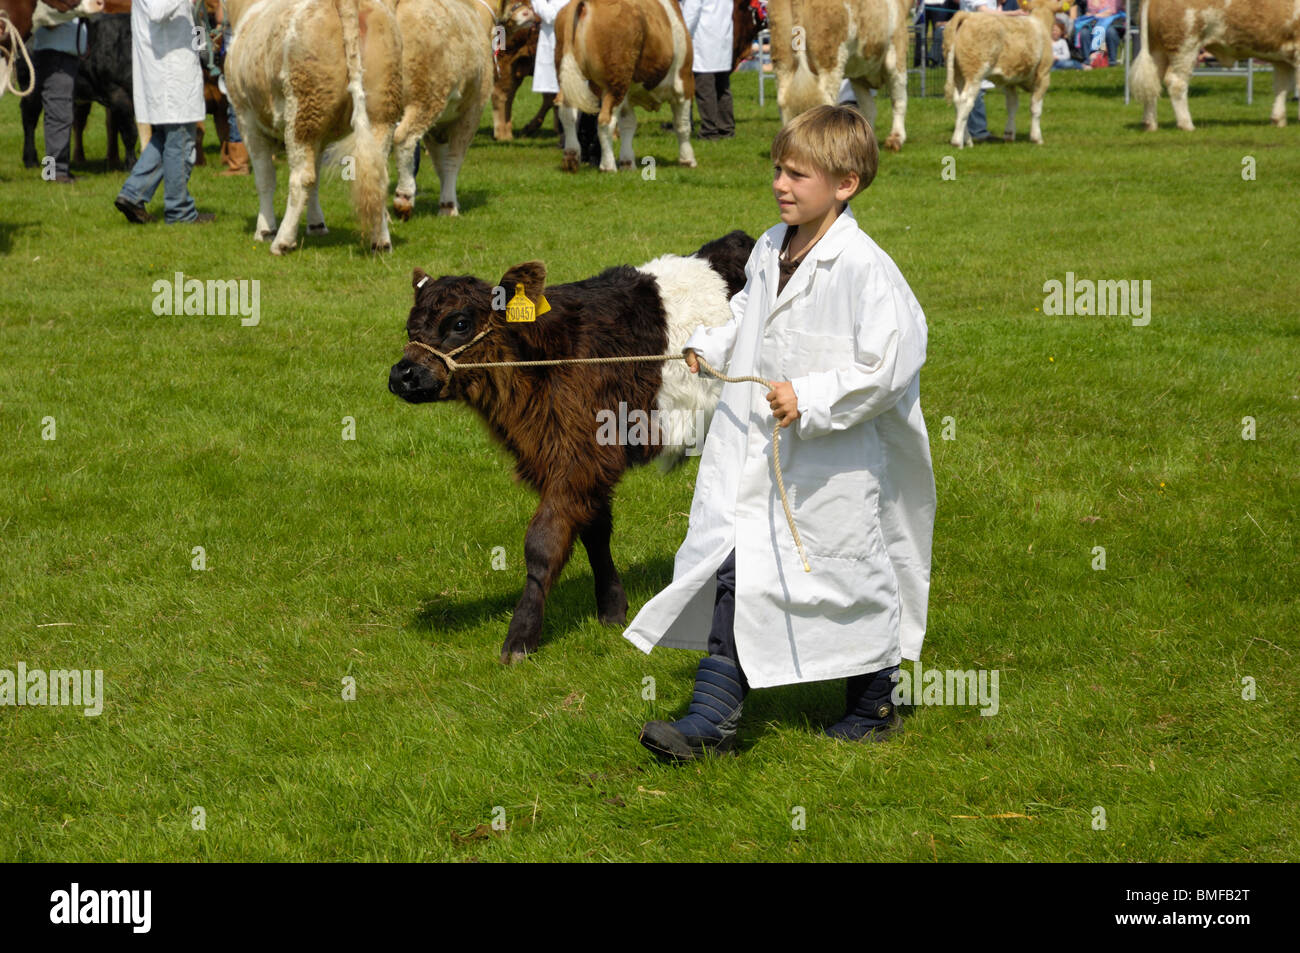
692, 361
785, 405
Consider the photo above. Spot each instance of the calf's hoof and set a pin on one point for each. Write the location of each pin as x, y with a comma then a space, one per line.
317, 229
687, 163
516, 650
626, 164
1011, 137
1280, 122
384, 246
279, 248
570, 163
448, 208
264, 235
403, 205
894, 143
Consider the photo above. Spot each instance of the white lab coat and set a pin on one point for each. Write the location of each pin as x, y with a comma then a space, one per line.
544, 78
850, 336
710, 26
167, 84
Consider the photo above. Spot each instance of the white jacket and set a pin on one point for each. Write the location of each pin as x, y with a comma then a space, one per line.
850, 336
710, 26
167, 84
544, 65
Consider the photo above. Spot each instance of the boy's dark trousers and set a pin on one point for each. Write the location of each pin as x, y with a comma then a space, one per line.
865, 695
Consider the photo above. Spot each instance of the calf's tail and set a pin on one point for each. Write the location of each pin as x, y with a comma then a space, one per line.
949, 48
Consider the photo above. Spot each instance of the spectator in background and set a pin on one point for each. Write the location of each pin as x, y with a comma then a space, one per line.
1099, 25
544, 78
1061, 58
58, 40
710, 26
168, 93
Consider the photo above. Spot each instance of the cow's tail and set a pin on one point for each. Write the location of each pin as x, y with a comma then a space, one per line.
949, 55
370, 172
573, 84
802, 91
1146, 80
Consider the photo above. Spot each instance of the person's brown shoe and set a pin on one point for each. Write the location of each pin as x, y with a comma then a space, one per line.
236, 157
202, 218
134, 212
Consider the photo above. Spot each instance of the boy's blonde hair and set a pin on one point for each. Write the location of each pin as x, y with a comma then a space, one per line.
836, 140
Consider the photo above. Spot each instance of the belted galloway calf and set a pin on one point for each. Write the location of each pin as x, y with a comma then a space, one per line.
556, 420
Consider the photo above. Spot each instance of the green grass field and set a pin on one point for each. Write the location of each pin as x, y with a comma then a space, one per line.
372, 558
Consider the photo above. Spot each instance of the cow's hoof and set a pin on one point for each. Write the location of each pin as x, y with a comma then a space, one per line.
894, 143
570, 163
1037, 142
317, 229
279, 249
384, 246
448, 208
1280, 122
264, 235
403, 206
626, 164
688, 163
504, 135
1011, 137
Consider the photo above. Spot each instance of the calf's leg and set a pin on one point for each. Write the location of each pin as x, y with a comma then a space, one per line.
1036, 113
547, 546
626, 130
569, 122
316, 217
682, 126
611, 601
1013, 105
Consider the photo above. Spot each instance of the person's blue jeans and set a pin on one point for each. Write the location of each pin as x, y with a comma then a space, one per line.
168, 158
977, 123
1067, 64
1106, 27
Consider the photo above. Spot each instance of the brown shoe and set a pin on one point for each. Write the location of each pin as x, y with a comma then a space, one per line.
236, 157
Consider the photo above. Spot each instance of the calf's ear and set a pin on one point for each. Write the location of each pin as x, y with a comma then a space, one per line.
530, 274
418, 277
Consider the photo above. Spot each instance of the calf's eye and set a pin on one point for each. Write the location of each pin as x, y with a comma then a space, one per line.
461, 325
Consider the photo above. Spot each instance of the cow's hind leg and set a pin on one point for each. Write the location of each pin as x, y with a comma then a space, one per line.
260, 152
449, 156
1180, 68
1036, 114
302, 179
605, 122
897, 68
546, 549
611, 601
963, 103
682, 126
626, 130
404, 198
1013, 106
315, 216
1284, 75
569, 123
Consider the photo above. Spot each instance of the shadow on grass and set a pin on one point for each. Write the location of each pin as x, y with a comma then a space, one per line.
342, 233
9, 229
571, 603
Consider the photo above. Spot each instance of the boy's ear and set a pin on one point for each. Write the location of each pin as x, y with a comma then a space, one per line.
530, 274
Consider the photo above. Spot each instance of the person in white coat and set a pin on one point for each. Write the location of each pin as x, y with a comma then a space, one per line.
827, 315
167, 90
710, 25
544, 76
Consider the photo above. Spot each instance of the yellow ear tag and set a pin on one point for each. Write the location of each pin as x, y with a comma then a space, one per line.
519, 308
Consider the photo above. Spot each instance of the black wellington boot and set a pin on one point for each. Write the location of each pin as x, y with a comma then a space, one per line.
710, 725
871, 714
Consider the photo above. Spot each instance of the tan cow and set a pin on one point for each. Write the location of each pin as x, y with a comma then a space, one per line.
447, 75
613, 54
1014, 52
1174, 31
817, 44
306, 73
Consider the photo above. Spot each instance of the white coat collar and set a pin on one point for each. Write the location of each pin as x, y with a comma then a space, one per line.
827, 248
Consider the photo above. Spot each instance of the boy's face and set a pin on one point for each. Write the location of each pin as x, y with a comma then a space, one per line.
805, 193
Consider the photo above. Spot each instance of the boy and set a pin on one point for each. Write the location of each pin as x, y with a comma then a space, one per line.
825, 315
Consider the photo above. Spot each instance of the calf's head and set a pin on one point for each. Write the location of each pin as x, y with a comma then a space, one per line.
453, 312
